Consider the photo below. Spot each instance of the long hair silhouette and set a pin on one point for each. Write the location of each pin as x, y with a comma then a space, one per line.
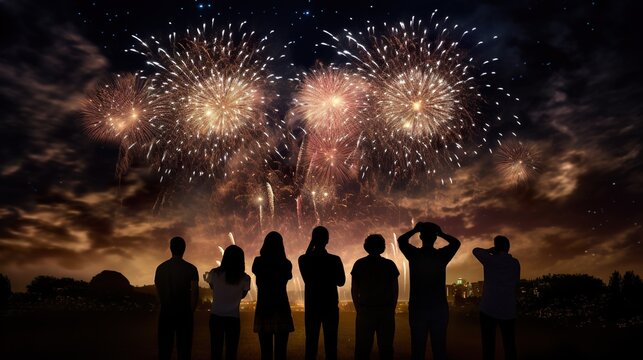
273, 247
233, 264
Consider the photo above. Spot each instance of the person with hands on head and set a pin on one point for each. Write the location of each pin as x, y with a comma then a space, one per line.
428, 307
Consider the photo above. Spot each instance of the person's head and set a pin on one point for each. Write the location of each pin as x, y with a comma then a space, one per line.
428, 233
320, 236
177, 246
233, 264
501, 243
273, 246
374, 244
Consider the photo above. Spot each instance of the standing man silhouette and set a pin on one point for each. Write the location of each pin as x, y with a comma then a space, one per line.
177, 286
428, 307
374, 289
498, 305
322, 274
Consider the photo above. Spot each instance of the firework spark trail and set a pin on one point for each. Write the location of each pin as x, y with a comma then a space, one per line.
302, 147
405, 272
426, 91
219, 87
271, 200
231, 237
516, 162
298, 201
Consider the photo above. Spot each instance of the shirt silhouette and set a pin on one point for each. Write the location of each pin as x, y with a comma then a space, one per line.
322, 274
374, 289
176, 282
501, 275
498, 305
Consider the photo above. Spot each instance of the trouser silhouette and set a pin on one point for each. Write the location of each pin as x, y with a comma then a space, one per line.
425, 322
224, 329
314, 319
488, 325
372, 321
173, 324
273, 345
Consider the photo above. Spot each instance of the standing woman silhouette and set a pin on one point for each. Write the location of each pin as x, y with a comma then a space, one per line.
229, 284
273, 319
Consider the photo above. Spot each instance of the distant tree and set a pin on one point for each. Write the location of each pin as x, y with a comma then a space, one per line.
632, 285
614, 284
47, 286
5, 290
110, 283
567, 287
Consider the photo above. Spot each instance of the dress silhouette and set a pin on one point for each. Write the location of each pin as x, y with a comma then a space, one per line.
176, 282
229, 284
322, 274
498, 305
374, 289
428, 307
273, 319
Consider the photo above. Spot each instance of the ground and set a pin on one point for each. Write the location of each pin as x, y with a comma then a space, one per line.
132, 335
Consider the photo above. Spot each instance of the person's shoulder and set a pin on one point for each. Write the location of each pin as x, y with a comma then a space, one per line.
359, 263
162, 266
246, 277
334, 257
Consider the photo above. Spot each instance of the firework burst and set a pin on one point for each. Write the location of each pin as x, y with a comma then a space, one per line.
122, 110
331, 101
218, 85
516, 162
331, 160
427, 92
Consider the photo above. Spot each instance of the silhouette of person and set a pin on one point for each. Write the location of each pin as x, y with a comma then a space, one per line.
273, 319
498, 305
428, 307
322, 274
229, 284
176, 282
374, 289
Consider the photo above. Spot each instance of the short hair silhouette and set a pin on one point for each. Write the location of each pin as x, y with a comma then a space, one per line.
374, 244
501, 243
273, 246
429, 232
233, 264
177, 246
320, 235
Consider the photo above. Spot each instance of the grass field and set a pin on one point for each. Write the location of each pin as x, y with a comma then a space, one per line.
132, 335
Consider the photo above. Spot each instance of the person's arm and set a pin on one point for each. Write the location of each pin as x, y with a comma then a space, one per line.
482, 254
156, 284
355, 289
396, 290
454, 244
288, 270
207, 277
246, 285
403, 240
341, 275
194, 293
303, 269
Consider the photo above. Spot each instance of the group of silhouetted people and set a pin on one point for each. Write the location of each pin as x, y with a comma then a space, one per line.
374, 290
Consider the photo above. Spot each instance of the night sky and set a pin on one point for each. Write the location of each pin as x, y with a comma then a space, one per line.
573, 64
